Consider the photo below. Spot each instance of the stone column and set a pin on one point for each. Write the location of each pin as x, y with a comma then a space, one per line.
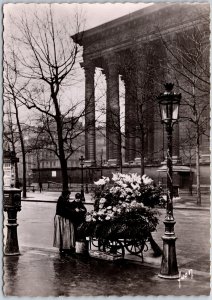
113, 133
130, 119
139, 142
90, 134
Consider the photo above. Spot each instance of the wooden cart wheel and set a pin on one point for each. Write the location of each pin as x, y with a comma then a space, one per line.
134, 246
113, 247
95, 242
101, 244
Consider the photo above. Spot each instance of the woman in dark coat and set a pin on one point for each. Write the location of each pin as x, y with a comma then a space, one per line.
79, 215
64, 233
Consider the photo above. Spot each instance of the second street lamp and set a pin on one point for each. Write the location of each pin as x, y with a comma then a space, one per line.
169, 108
82, 181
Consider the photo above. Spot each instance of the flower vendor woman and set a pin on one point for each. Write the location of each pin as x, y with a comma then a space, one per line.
64, 233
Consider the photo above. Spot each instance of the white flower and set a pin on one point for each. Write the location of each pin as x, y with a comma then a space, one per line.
134, 203
111, 214
137, 193
88, 218
115, 176
135, 186
114, 208
106, 179
136, 178
147, 180
115, 189
123, 194
107, 218
102, 200
109, 207
123, 185
100, 182
128, 190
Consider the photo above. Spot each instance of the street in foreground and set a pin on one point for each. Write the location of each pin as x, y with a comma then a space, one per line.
40, 271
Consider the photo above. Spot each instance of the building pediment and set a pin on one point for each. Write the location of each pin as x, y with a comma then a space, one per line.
140, 26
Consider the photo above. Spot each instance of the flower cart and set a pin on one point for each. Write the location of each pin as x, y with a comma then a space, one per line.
124, 214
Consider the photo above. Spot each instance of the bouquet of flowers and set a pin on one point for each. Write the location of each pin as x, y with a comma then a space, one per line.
124, 207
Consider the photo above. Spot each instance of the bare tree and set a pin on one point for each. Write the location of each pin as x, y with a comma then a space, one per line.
189, 65
10, 134
47, 62
12, 90
187, 147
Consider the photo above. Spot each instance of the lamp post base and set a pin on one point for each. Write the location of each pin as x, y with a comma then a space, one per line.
169, 268
11, 247
169, 276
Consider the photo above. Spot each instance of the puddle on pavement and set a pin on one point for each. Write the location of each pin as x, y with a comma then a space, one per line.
37, 273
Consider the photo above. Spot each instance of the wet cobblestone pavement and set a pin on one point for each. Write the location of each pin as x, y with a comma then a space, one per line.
40, 273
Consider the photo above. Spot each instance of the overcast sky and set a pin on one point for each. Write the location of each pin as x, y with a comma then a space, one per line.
95, 13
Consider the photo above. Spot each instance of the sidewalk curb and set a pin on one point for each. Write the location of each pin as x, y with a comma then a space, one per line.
145, 264
192, 208
91, 203
52, 250
48, 201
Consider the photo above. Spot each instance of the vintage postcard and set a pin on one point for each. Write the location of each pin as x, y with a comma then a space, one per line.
106, 149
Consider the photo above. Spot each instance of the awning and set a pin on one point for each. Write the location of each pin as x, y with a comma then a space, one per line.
175, 169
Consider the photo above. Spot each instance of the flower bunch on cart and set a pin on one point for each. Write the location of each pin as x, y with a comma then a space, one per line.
124, 206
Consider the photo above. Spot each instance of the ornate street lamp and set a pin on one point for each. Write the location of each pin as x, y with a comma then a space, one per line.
169, 103
82, 183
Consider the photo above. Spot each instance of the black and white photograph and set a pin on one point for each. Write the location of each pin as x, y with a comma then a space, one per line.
106, 149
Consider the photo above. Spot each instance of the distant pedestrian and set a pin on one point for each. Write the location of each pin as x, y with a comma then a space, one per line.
40, 186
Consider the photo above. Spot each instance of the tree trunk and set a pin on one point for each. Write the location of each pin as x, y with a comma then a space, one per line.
24, 173
142, 153
120, 152
198, 172
64, 172
16, 164
62, 158
190, 179
22, 149
17, 184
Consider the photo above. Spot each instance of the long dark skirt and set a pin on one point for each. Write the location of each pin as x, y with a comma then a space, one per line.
64, 237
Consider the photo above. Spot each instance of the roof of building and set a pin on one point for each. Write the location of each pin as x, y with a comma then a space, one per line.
159, 14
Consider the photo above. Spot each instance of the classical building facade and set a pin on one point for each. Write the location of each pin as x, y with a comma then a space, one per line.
132, 49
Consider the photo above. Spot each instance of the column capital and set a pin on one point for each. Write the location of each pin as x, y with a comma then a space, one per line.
88, 66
